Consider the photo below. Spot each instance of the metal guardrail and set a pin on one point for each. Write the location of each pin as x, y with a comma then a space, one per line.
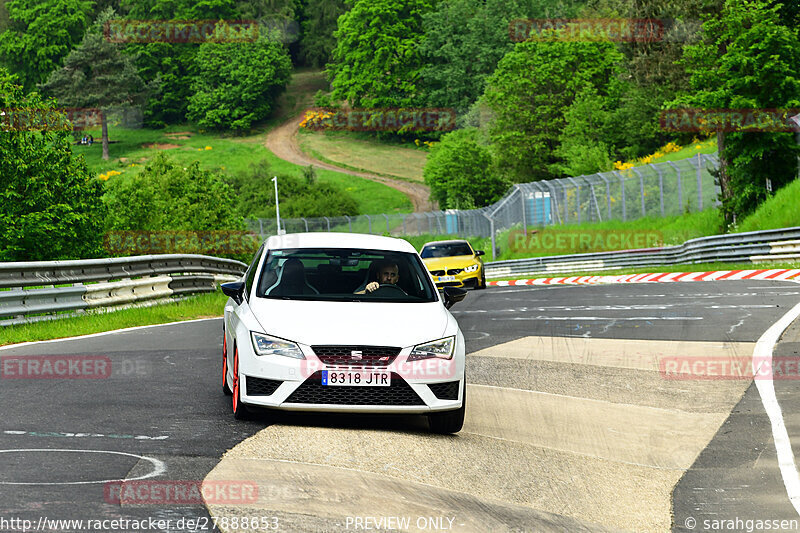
43, 289
754, 246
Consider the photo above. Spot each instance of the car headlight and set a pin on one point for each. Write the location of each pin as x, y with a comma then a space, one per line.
472, 268
266, 345
443, 349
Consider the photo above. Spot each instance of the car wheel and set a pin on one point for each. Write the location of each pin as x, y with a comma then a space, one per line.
239, 409
225, 389
449, 421
482, 284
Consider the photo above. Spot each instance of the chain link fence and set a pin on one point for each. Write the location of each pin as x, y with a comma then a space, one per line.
655, 190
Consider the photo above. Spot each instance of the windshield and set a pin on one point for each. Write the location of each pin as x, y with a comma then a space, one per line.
446, 250
342, 274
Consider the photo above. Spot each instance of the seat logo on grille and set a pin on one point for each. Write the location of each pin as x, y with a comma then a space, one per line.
356, 355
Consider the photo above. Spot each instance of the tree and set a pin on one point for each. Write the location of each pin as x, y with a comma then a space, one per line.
458, 171
463, 42
40, 34
529, 93
318, 42
237, 83
50, 205
377, 60
170, 66
747, 60
97, 75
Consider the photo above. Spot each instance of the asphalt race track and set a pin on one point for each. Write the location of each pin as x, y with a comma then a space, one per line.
572, 425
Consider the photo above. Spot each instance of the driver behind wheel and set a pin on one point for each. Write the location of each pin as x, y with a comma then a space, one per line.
382, 272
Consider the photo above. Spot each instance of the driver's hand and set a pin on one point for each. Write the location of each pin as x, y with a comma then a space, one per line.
372, 286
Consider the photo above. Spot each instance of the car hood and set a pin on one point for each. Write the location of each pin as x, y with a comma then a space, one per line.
353, 323
458, 261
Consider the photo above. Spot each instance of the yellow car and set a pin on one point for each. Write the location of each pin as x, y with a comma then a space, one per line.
454, 264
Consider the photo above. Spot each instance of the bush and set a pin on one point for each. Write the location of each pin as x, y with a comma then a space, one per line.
458, 172
298, 196
169, 196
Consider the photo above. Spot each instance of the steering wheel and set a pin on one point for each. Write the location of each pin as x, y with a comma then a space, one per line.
389, 286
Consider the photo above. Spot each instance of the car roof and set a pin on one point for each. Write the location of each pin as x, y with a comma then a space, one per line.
339, 240
455, 241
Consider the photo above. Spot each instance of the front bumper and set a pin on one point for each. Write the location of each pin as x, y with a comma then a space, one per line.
290, 384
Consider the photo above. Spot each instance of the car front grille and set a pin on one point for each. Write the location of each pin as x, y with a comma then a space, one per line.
445, 391
312, 391
260, 386
369, 355
454, 271
437, 272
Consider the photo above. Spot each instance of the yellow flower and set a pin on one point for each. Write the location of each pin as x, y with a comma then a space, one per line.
208, 148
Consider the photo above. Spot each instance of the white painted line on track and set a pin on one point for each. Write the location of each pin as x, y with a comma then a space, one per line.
100, 334
158, 467
762, 354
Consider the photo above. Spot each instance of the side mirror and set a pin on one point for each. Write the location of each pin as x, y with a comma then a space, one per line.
453, 295
479, 252
234, 289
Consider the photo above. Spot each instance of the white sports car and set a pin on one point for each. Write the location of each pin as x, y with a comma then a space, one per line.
343, 322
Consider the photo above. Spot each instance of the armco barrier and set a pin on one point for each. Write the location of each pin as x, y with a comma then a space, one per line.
754, 246
33, 292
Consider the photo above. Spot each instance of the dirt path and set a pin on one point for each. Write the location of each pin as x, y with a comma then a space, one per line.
282, 141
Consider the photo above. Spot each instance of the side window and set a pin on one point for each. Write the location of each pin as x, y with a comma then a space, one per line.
251, 273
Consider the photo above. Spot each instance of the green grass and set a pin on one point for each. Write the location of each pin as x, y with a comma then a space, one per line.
780, 211
367, 155
199, 306
699, 267
229, 154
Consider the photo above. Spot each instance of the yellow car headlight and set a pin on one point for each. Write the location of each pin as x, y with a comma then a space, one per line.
472, 268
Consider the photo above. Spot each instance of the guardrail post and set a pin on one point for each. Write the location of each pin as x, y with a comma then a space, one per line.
329, 223
306, 222
577, 196
369, 220
522, 202
387, 223
260, 228
349, 223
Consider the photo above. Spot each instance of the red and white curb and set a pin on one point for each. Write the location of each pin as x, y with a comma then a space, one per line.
662, 277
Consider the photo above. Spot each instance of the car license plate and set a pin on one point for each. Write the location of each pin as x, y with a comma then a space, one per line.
447, 278
356, 378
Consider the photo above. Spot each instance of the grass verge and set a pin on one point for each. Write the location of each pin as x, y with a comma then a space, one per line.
199, 306
699, 267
